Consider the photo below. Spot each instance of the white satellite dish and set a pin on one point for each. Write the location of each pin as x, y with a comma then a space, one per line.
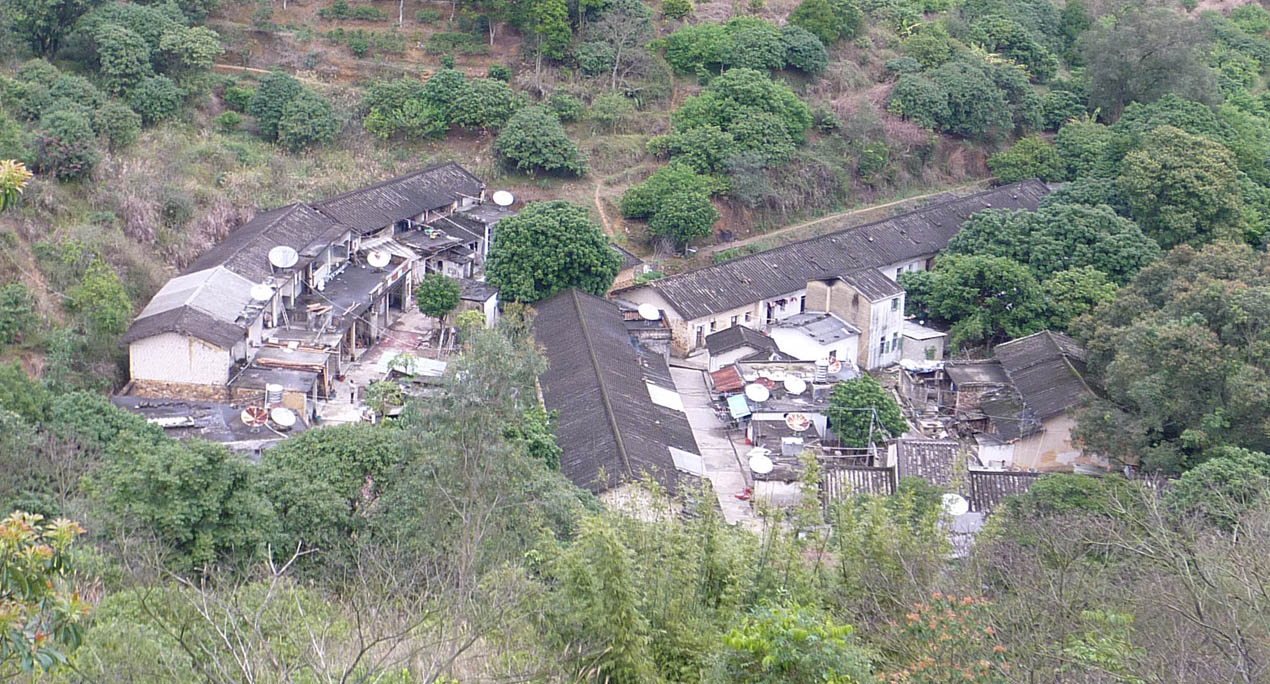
284, 256
503, 198
757, 393
761, 464
956, 504
261, 292
378, 258
649, 312
254, 416
284, 417
795, 385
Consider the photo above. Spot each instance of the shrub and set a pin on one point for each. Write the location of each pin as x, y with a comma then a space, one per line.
358, 43
1028, 158
401, 107
903, 65
176, 207
610, 110
77, 89
484, 103
307, 120
228, 122
1059, 107
238, 98
269, 100
803, 50
117, 124
566, 106
828, 20
683, 216
65, 145
643, 200
427, 16
17, 313
756, 44
155, 99
533, 140
676, 9
500, 72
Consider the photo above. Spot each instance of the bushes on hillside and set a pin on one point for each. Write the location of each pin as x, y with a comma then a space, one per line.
534, 140
156, 99
307, 120
828, 20
409, 109
745, 42
65, 145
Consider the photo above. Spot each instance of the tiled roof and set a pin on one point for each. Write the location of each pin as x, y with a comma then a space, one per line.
871, 284
384, 203
1047, 369
245, 251
842, 481
608, 426
930, 459
205, 304
738, 336
988, 488
785, 269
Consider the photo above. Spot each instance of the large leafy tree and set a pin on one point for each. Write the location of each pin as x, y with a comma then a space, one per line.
684, 216
829, 20
437, 295
549, 247
1179, 357
1142, 54
270, 99
1030, 157
307, 120
1182, 188
534, 140
861, 412
986, 299
1058, 237
44, 23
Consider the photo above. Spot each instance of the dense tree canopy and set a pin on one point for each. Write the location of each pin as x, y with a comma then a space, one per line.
549, 247
986, 299
861, 412
437, 295
534, 141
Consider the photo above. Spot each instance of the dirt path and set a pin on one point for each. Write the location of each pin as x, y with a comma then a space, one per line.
599, 206
707, 251
231, 68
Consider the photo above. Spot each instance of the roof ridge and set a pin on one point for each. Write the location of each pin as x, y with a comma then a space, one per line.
394, 179
599, 376
927, 208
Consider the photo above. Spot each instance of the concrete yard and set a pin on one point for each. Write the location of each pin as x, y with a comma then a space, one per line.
723, 466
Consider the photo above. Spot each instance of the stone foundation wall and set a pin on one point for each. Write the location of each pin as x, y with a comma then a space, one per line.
179, 390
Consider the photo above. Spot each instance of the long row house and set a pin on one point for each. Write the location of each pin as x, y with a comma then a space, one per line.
293, 295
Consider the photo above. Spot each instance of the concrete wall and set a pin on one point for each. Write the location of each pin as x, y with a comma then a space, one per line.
179, 390
685, 332
799, 345
729, 357
915, 349
878, 321
176, 358
1050, 449
893, 271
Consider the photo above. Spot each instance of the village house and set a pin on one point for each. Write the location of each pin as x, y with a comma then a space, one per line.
816, 335
618, 416
758, 290
921, 344
286, 300
737, 343
873, 304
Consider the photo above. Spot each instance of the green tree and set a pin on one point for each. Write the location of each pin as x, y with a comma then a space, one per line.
976, 106
829, 20
861, 412
705, 45
1084, 147
195, 496
778, 644
100, 301
1030, 157
1073, 293
643, 200
756, 44
118, 125
322, 485
485, 103
22, 395
919, 100
1058, 237
65, 145
401, 108
549, 31
987, 299
549, 247
307, 120
156, 99
44, 614
123, 57
1143, 54
437, 296
1228, 484
188, 50
684, 216
803, 50
17, 313
534, 140
676, 9
44, 23
270, 99
1182, 188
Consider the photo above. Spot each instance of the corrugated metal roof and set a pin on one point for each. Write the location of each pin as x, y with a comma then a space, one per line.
245, 251
1047, 369
608, 428
787, 269
385, 203
870, 283
205, 304
988, 488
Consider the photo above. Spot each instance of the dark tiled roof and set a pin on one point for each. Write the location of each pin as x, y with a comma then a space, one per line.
1047, 369
736, 337
187, 321
988, 488
384, 203
930, 459
608, 427
476, 290
870, 283
840, 482
1010, 418
629, 260
786, 269
976, 373
245, 251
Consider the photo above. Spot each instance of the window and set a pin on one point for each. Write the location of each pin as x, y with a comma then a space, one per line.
734, 320
748, 316
713, 326
896, 344
882, 345
895, 304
